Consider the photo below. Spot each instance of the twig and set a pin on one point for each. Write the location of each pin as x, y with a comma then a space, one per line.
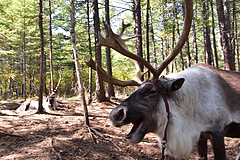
85, 154
91, 135
104, 137
107, 138
10, 134
54, 150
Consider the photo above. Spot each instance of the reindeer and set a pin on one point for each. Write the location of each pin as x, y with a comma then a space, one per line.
183, 109
49, 103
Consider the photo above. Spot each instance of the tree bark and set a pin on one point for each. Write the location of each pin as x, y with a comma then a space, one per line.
188, 54
237, 40
138, 28
187, 45
50, 45
225, 31
235, 34
181, 54
238, 61
233, 26
153, 41
207, 41
195, 48
108, 52
166, 53
100, 92
214, 36
173, 34
40, 108
147, 34
24, 59
90, 55
75, 53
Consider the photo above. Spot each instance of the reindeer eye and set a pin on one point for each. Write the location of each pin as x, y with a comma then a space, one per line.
150, 92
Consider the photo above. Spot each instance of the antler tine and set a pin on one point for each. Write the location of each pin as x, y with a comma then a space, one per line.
124, 26
188, 6
117, 43
109, 29
110, 79
108, 40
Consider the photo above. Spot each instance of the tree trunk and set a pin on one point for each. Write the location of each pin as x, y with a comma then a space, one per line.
195, 48
10, 93
181, 54
153, 41
225, 31
173, 33
188, 54
147, 34
238, 61
108, 53
166, 53
78, 72
214, 37
207, 41
138, 28
24, 60
233, 27
162, 51
235, 34
40, 108
90, 55
187, 46
237, 39
50, 45
100, 92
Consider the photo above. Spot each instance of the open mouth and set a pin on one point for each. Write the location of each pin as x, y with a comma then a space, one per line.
135, 129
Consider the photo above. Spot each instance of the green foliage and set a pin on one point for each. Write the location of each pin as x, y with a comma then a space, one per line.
20, 17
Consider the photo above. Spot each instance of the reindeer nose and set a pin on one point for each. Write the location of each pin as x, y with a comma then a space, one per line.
117, 115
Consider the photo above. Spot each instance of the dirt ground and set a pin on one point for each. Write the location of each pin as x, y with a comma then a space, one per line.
63, 135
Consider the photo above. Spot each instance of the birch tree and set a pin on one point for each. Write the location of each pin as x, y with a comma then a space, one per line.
75, 53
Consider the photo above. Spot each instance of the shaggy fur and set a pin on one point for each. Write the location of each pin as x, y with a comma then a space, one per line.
201, 105
207, 102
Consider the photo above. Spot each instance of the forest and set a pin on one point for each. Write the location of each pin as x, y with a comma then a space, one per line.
52, 48
160, 27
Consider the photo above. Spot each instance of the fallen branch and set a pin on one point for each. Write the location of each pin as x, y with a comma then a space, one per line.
54, 150
85, 154
106, 138
92, 135
11, 134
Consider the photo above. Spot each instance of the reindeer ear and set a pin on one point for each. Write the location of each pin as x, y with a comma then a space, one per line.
177, 84
170, 85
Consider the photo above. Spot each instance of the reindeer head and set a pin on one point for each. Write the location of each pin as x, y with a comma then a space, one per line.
145, 100
142, 107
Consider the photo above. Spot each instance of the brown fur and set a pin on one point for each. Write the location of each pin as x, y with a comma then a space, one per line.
230, 82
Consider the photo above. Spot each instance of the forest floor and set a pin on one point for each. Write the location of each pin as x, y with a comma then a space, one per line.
63, 135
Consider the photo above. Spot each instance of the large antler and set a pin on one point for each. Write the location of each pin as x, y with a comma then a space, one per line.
188, 6
117, 43
122, 46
